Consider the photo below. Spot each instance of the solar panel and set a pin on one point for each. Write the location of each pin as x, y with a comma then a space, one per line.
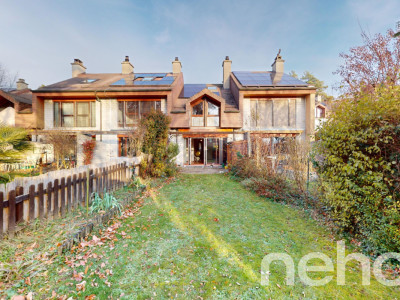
191, 89
266, 79
119, 82
147, 79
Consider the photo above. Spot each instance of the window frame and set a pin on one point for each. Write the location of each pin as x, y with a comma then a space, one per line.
122, 123
205, 114
58, 116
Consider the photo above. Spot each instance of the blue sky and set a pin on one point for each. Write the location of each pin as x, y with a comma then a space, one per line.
39, 39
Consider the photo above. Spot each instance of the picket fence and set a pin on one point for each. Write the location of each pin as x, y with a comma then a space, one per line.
55, 198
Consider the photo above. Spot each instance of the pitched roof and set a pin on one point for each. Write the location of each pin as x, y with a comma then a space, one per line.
22, 96
112, 81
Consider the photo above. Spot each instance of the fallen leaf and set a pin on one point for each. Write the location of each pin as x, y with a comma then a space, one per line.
81, 286
28, 281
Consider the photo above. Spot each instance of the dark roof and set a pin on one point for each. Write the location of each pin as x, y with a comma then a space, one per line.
114, 81
267, 79
190, 90
22, 96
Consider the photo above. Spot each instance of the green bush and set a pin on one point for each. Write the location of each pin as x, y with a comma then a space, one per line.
359, 161
159, 159
108, 201
265, 182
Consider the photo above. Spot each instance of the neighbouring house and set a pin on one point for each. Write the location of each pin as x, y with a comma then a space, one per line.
16, 106
321, 111
204, 117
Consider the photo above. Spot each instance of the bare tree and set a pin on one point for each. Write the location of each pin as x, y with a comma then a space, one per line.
64, 146
7, 80
375, 63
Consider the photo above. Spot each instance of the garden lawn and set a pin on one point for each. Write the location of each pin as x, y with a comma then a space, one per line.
201, 235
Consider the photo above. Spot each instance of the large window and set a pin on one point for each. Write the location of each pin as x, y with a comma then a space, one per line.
273, 113
130, 112
205, 113
75, 114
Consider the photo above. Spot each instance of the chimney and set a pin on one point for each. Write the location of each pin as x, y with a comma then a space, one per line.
77, 67
127, 67
278, 65
176, 66
21, 84
227, 69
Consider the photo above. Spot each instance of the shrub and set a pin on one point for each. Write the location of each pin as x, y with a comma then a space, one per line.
88, 151
159, 154
108, 201
359, 169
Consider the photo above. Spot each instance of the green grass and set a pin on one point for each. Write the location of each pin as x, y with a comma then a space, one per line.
204, 235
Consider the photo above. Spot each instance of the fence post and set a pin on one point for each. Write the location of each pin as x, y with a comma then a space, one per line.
79, 198
97, 181
124, 173
91, 181
120, 175
113, 177
105, 179
1, 214
84, 188
31, 203
75, 190
49, 192
63, 196
22, 208
55, 194
41, 200
69, 199
11, 213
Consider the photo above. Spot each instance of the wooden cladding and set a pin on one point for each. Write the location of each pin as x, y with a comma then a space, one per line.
273, 113
57, 197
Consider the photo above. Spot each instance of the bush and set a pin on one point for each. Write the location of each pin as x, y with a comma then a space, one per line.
108, 201
359, 169
159, 154
88, 151
263, 180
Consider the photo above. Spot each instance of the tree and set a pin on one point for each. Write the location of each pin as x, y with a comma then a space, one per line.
293, 74
373, 64
319, 85
360, 169
309, 78
159, 153
7, 80
64, 148
14, 144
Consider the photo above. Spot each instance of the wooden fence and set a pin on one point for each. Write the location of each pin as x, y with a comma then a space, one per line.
57, 197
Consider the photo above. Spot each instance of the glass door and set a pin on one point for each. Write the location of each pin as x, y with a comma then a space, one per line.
212, 151
197, 152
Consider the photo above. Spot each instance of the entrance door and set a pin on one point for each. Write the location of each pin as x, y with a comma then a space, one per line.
197, 152
205, 151
212, 151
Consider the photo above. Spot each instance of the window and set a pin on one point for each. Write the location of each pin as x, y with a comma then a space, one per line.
205, 113
75, 114
125, 147
130, 112
198, 109
273, 113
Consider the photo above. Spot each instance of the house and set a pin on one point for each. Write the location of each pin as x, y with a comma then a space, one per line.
16, 106
204, 117
321, 111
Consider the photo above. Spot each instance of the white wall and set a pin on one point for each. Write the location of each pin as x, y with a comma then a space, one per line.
106, 120
7, 116
300, 116
180, 141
